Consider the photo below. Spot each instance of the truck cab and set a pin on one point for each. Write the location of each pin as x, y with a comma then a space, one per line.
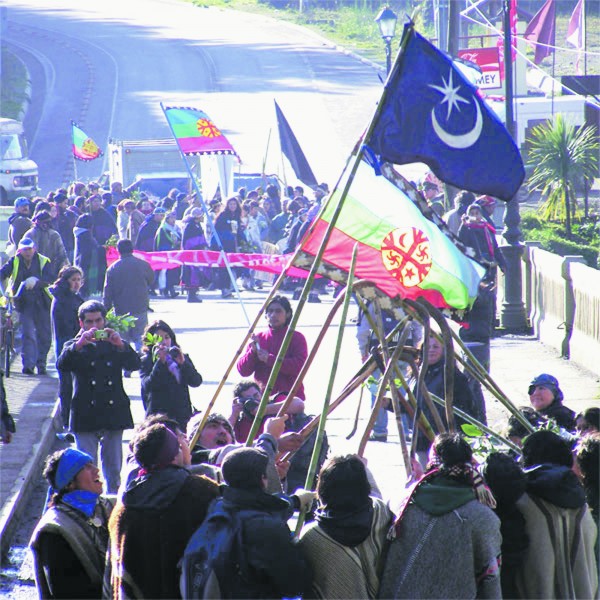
18, 173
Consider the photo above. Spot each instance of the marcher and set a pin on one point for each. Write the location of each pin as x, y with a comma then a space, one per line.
18, 223
259, 357
546, 397
148, 229
274, 567
65, 326
64, 223
588, 421
560, 561
47, 241
454, 217
228, 226
135, 218
100, 408
159, 511
90, 257
446, 539
345, 545
167, 374
193, 239
69, 543
103, 224
30, 274
168, 237
126, 289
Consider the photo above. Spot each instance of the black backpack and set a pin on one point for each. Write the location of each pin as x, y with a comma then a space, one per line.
214, 564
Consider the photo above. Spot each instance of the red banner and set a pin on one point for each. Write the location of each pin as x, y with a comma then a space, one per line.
173, 259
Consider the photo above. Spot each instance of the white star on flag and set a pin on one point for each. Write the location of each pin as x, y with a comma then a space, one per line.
450, 94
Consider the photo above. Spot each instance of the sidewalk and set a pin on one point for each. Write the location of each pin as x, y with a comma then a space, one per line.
515, 361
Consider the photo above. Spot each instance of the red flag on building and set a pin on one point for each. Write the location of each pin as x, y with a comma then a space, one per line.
513, 36
541, 31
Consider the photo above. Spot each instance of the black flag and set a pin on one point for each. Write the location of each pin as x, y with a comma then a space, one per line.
291, 148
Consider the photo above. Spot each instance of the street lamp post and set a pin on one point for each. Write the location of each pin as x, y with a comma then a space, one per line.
512, 316
386, 20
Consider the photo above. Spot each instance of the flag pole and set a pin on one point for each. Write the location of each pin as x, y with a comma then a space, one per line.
314, 459
208, 217
327, 235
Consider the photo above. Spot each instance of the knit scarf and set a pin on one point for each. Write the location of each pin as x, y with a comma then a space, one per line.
464, 471
82, 500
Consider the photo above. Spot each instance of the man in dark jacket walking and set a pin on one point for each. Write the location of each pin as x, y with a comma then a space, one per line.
126, 288
100, 408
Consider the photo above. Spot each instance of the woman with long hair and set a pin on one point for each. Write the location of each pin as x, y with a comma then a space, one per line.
167, 374
65, 326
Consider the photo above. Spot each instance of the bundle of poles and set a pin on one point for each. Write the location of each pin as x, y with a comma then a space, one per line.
392, 380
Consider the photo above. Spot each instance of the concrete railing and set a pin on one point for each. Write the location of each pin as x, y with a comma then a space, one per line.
562, 299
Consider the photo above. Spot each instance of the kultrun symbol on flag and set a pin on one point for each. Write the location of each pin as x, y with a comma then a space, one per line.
207, 129
90, 147
406, 254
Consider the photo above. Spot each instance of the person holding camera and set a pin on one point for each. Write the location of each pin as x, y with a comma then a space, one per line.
167, 374
100, 408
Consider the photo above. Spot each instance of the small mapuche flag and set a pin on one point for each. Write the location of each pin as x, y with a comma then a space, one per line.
196, 133
84, 147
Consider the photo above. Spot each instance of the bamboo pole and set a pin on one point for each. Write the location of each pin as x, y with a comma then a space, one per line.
314, 459
393, 388
473, 421
378, 400
323, 331
364, 372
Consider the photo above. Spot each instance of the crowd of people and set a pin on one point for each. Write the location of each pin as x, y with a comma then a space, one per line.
503, 525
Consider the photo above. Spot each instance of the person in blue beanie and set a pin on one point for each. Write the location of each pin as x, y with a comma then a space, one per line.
546, 397
70, 541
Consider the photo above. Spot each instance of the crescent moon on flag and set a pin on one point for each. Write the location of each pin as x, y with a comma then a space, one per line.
460, 142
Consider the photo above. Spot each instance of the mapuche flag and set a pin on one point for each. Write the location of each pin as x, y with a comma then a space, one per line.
84, 147
432, 114
399, 250
196, 133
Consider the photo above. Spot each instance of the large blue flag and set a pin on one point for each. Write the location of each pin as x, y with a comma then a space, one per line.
432, 114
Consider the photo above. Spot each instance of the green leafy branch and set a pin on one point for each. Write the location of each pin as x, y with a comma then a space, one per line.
120, 323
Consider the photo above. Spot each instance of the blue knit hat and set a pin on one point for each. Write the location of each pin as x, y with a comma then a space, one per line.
549, 382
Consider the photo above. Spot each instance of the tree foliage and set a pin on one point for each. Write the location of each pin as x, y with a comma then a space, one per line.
562, 156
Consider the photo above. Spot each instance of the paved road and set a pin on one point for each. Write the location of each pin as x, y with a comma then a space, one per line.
109, 64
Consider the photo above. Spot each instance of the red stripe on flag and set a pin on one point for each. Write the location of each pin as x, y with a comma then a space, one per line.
369, 264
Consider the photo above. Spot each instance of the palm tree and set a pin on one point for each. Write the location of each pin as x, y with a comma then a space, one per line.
561, 156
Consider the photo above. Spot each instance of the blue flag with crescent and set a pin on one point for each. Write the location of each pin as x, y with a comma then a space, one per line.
432, 114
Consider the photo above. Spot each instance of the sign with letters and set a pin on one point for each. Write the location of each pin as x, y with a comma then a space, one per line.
487, 60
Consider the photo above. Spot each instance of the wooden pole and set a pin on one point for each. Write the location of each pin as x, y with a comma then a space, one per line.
314, 459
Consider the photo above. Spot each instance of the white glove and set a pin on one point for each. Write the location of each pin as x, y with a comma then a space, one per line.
30, 282
305, 497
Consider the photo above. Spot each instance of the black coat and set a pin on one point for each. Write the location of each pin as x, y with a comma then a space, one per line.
277, 567
99, 400
91, 259
65, 322
162, 394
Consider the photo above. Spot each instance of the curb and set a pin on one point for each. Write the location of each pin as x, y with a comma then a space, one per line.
14, 507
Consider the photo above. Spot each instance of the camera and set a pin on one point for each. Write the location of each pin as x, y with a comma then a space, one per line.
174, 352
100, 334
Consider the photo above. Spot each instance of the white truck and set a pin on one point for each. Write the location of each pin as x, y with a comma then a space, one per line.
156, 164
18, 173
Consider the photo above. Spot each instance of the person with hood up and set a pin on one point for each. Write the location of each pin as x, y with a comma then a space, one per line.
560, 561
18, 223
346, 542
153, 521
446, 540
148, 229
546, 398
90, 257
47, 241
70, 541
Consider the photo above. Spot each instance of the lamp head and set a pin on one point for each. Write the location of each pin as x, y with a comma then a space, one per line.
386, 20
